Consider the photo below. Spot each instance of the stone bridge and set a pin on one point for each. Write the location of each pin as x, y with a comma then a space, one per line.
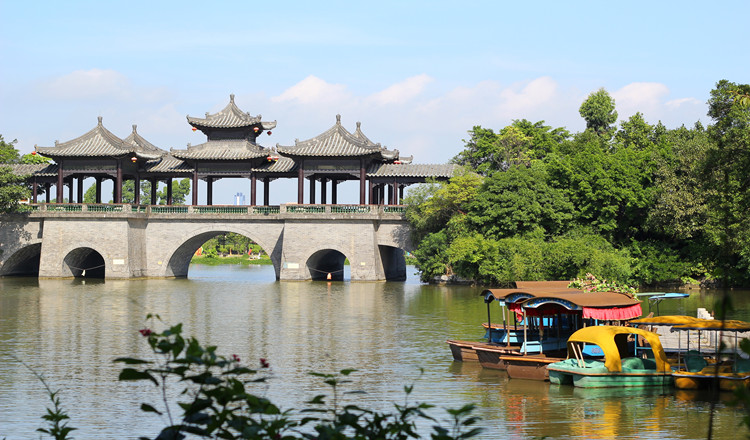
133, 241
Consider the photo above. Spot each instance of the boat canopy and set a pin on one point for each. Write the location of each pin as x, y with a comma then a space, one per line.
596, 305
613, 341
716, 325
666, 320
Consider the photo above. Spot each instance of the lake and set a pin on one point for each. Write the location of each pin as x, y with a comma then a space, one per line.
393, 333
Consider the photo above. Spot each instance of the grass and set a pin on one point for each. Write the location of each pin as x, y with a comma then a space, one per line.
234, 259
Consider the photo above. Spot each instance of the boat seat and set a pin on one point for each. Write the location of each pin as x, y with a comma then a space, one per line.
694, 362
742, 366
633, 363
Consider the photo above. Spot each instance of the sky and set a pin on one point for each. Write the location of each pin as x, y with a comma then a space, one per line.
418, 75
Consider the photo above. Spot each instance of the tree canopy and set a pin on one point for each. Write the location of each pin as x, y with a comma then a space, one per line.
634, 202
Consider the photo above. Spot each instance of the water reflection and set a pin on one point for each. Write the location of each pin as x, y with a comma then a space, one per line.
71, 330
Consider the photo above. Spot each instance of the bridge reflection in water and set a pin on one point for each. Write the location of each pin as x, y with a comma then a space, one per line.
305, 242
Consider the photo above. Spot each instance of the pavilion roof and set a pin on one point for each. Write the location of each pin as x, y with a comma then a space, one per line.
167, 164
145, 149
33, 169
227, 149
100, 142
282, 165
337, 141
230, 117
412, 170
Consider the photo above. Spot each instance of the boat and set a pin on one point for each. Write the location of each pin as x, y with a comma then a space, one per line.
616, 366
723, 368
505, 336
547, 317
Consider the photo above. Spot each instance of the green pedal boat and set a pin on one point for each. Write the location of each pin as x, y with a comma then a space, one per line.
600, 357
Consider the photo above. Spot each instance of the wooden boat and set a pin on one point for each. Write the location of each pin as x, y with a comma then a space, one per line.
613, 370
503, 335
701, 370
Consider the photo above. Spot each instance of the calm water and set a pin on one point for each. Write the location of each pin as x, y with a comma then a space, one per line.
71, 330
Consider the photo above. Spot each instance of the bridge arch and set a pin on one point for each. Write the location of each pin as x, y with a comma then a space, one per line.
394, 262
23, 262
178, 257
325, 262
84, 262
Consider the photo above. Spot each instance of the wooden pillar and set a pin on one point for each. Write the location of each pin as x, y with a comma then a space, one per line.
34, 191
390, 194
209, 191
266, 192
372, 192
70, 190
98, 190
401, 194
381, 194
154, 186
137, 190
169, 191
47, 190
362, 182
60, 184
300, 182
253, 188
334, 184
312, 191
195, 184
323, 191
394, 192
118, 183
80, 189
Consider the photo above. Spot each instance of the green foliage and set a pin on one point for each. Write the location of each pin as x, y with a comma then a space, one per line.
12, 190
8, 152
519, 201
430, 207
598, 110
33, 158
216, 401
590, 283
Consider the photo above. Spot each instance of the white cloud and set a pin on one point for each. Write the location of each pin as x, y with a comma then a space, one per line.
644, 97
312, 90
401, 93
88, 85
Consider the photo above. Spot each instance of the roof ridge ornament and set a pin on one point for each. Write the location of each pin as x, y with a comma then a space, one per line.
359, 124
134, 127
99, 118
231, 97
338, 119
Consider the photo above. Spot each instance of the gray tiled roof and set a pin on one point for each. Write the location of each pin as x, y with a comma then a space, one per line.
336, 141
412, 170
37, 169
229, 149
100, 142
167, 164
230, 117
144, 148
282, 165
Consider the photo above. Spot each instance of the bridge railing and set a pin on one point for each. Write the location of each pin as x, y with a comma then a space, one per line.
289, 208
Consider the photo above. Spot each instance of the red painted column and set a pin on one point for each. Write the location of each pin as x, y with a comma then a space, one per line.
137, 190
118, 183
209, 191
195, 185
98, 190
59, 186
253, 188
169, 191
301, 182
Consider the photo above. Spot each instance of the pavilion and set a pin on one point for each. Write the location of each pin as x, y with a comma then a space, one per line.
232, 150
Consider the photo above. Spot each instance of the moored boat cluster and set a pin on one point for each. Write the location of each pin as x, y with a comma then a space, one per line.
581, 338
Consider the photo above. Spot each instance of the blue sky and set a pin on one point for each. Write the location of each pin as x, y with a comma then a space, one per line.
418, 75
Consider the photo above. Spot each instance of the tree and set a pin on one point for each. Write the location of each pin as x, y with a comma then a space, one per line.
33, 158
598, 110
519, 201
728, 160
13, 187
8, 152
